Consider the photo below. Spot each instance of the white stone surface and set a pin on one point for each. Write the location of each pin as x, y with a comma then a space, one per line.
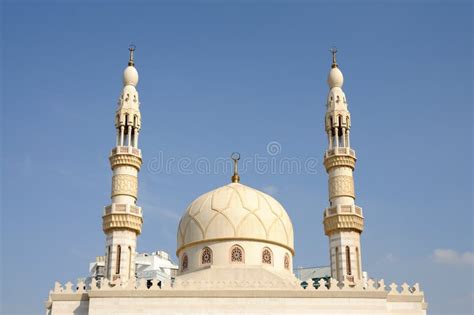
238, 306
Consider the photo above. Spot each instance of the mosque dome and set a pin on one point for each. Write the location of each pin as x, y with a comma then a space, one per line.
235, 215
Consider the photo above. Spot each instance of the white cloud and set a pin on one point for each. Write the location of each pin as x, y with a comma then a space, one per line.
452, 257
271, 190
388, 258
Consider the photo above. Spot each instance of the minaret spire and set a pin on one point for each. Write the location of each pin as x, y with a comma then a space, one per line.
122, 219
334, 52
131, 49
343, 220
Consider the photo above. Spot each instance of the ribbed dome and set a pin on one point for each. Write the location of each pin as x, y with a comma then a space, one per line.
235, 211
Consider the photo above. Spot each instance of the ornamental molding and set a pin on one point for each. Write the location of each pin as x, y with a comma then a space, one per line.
339, 160
339, 222
341, 185
123, 184
125, 160
116, 221
335, 114
128, 115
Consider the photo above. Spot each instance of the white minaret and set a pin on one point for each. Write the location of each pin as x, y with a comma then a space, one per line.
343, 220
122, 220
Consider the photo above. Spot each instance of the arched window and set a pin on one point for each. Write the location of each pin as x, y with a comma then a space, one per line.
109, 260
184, 262
348, 261
267, 256
358, 262
119, 254
206, 256
237, 254
337, 263
129, 262
286, 262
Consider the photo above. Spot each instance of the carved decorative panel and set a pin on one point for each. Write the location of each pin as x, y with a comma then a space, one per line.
124, 185
341, 185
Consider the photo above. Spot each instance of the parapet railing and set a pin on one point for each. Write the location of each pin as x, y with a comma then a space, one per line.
343, 209
123, 208
340, 151
155, 285
127, 150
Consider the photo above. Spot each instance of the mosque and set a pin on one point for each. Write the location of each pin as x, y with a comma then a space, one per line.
234, 243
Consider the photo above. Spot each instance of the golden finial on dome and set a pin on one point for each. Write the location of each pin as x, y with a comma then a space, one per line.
236, 157
333, 50
131, 48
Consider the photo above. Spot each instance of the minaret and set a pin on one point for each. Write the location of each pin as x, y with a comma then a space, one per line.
122, 220
343, 220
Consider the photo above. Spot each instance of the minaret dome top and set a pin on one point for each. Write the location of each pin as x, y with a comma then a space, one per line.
335, 77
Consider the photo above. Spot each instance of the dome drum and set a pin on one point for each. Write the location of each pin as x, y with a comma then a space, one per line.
253, 253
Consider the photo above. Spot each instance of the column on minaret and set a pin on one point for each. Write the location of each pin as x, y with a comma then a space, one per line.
135, 141
129, 135
122, 219
343, 136
348, 139
343, 220
121, 128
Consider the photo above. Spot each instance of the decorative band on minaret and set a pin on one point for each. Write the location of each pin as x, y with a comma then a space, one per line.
343, 220
122, 220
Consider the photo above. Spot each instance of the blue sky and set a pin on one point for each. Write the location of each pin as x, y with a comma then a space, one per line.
218, 77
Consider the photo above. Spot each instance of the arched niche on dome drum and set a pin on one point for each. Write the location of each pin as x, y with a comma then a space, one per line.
184, 262
267, 256
206, 256
286, 262
237, 255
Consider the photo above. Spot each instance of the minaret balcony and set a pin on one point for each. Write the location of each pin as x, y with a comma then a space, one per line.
343, 217
122, 216
340, 151
127, 150
339, 157
128, 156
